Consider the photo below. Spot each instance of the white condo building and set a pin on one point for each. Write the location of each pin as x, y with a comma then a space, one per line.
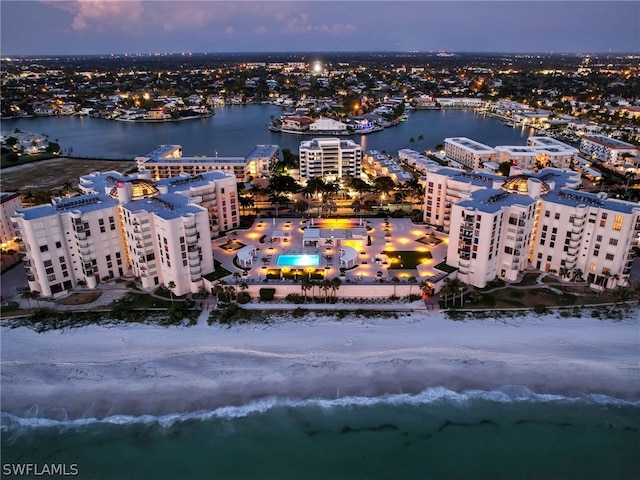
166, 161
538, 154
468, 152
607, 149
498, 227
377, 164
127, 225
9, 203
330, 158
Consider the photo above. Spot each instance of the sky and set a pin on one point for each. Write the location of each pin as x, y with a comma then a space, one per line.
83, 27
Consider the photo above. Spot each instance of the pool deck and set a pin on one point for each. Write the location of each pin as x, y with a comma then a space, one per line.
371, 264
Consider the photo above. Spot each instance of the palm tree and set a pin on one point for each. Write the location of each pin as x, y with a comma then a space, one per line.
395, 280
236, 278
28, 296
67, 186
476, 296
305, 285
335, 285
412, 281
171, 285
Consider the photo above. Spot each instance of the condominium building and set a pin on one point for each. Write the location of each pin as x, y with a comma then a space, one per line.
166, 161
377, 164
330, 158
498, 227
537, 155
157, 231
607, 149
468, 152
9, 203
416, 160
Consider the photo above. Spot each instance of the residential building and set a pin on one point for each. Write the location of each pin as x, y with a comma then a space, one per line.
330, 158
416, 160
377, 164
498, 227
9, 203
537, 156
166, 161
468, 152
127, 226
607, 149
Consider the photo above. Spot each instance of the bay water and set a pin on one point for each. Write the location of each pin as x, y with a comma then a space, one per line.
234, 130
510, 433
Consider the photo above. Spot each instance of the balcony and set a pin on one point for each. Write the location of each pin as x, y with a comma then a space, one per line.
572, 252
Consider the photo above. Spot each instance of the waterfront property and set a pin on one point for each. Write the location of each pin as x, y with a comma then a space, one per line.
330, 158
607, 149
127, 226
166, 161
499, 226
468, 152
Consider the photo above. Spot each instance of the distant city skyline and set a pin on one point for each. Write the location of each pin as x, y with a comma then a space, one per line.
135, 26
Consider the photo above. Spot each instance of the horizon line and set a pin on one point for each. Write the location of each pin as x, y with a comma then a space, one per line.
316, 52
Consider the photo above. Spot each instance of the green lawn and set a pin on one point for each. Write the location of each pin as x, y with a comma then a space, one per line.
406, 259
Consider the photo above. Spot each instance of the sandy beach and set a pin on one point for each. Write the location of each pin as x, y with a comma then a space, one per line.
139, 369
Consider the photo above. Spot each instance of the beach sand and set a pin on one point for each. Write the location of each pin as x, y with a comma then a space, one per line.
140, 369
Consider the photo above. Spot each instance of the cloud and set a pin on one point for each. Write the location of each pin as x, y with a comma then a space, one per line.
104, 15
302, 24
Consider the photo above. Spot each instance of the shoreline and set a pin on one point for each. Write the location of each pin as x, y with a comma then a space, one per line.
98, 372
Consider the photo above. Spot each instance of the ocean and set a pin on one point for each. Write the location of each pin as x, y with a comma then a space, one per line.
510, 433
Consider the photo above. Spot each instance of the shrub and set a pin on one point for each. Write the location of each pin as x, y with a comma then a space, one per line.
244, 297
295, 298
267, 294
539, 309
298, 313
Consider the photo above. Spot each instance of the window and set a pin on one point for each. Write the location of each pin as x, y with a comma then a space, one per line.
609, 256
47, 263
44, 248
557, 217
58, 245
617, 222
599, 238
613, 241
592, 267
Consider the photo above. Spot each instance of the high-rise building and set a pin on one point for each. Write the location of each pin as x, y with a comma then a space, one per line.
9, 203
121, 225
500, 226
330, 158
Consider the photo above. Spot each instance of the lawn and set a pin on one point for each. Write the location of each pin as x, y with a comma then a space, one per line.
529, 298
406, 259
218, 273
52, 174
232, 245
79, 298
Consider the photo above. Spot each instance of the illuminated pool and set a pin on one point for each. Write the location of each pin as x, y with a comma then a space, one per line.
298, 260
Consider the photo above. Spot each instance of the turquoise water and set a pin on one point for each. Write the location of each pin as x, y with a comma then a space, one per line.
438, 434
293, 260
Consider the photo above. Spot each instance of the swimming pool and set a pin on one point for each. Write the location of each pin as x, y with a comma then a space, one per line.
298, 260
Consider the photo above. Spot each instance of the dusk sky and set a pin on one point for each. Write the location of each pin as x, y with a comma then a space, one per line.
51, 27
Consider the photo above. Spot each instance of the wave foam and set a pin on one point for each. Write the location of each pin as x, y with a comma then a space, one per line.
433, 395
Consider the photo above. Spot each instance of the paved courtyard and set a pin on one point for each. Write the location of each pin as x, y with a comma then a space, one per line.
272, 247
